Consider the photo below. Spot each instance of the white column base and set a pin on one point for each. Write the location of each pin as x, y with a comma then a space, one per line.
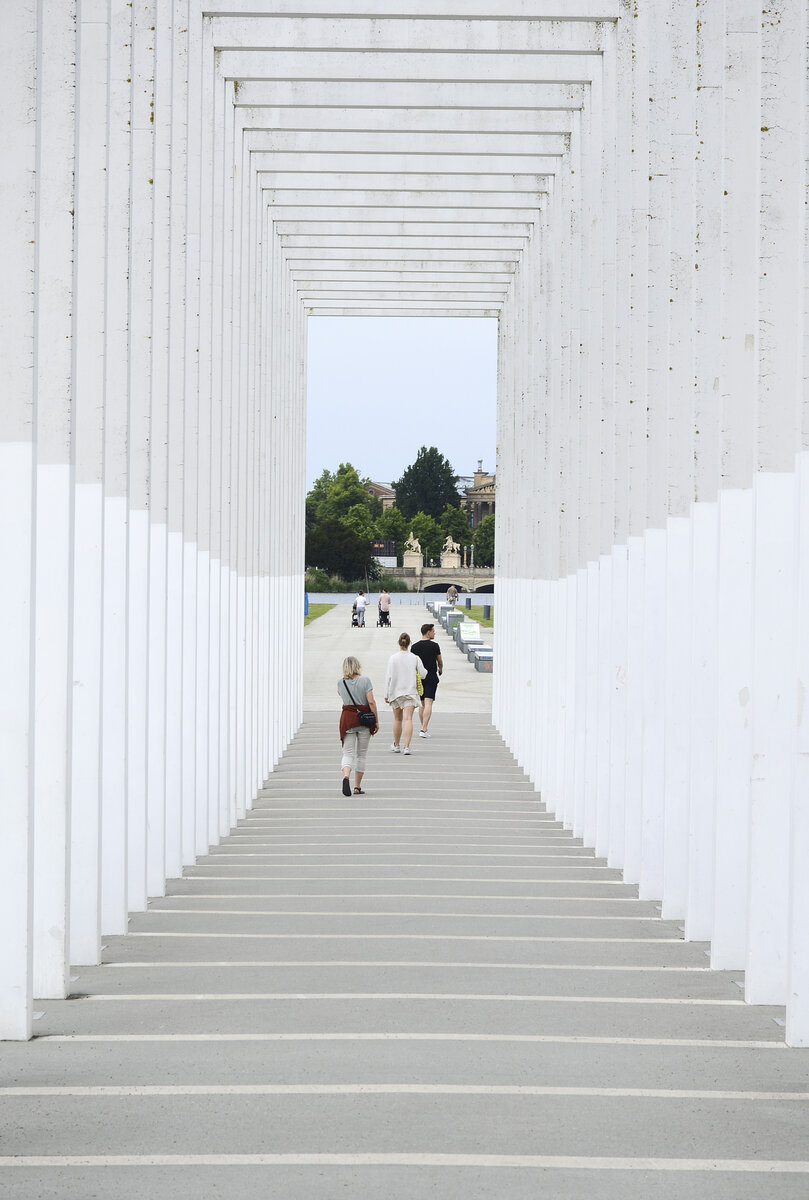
51, 791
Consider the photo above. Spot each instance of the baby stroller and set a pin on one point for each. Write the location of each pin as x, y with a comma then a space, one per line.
383, 619
355, 621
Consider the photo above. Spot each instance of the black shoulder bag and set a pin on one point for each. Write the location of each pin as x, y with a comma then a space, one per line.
367, 719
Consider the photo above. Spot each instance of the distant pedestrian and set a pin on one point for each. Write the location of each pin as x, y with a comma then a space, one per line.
452, 594
384, 608
401, 692
427, 650
357, 694
359, 608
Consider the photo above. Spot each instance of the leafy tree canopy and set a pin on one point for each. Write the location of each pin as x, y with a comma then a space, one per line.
332, 495
455, 521
335, 548
484, 543
392, 527
316, 498
428, 532
428, 485
359, 519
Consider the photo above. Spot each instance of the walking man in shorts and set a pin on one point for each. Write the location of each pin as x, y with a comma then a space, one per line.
427, 650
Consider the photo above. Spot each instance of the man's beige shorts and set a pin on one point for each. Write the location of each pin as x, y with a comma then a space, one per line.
405, 702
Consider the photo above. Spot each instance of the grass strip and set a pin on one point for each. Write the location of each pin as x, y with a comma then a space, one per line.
317, 610
475, 613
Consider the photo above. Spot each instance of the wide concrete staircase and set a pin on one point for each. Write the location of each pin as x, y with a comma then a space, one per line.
429, 991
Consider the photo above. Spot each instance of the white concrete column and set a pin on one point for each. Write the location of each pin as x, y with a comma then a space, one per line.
797, 1017
679, 450
241, 785
159, 801
703, 706
709, 45
738, 384
779, 412
141, 260
678, 717
218, 698
18, 145
657, 383
797, 1031
114, 905
201, 195
194, 448
180, 614
89, 314
635, 19
56, 108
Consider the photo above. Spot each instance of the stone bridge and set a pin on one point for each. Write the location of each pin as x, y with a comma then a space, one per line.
436, 579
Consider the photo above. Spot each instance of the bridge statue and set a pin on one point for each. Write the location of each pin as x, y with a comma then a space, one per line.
450, 555
412, 557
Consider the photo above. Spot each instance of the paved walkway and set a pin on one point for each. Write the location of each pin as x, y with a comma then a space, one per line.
331, 637
433, 991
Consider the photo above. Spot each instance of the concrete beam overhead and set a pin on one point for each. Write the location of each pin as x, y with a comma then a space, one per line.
392, 274
381, 95
290, 64
460, 10
401, 259
409, 290
436, 183
454, 243
405, 309
334, 34
395, 121
330, 151
469, 218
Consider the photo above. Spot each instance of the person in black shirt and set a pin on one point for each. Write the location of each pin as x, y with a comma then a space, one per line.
427, 650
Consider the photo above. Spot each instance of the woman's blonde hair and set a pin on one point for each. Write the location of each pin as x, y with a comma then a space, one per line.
404, 640
351, 667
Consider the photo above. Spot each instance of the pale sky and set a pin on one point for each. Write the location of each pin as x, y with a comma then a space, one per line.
381, 387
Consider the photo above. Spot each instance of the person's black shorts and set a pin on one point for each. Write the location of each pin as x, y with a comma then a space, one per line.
429, 683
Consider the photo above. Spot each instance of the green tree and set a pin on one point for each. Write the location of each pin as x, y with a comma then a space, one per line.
484, 543
392, 527
454, 521
316, 498
333, 547
428, 485
359, 519
344, 490
428, 532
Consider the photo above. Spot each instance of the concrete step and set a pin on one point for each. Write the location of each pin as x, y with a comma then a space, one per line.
349, 995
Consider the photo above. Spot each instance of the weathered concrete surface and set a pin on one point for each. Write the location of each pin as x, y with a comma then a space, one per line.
433, 990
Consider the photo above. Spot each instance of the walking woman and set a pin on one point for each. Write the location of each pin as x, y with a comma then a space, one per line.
402, 692
357, 694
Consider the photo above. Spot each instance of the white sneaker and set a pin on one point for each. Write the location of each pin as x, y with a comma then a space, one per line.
406, 750
395, 749
424, 733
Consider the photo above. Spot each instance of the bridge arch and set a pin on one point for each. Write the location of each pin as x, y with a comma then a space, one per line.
171, 231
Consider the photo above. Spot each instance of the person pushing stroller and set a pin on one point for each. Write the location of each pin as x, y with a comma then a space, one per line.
358, 611
384, 609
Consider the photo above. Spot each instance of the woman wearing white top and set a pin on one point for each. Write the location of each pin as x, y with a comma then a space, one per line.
401, 691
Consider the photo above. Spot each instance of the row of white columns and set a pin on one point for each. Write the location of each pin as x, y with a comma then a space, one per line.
151, 455
653, 656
